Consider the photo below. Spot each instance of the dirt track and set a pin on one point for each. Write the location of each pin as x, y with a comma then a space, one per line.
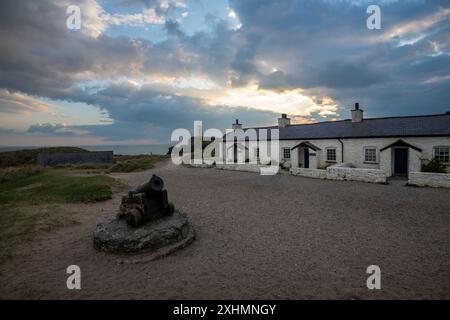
258, 237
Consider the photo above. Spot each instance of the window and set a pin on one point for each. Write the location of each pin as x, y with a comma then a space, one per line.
331, 154
370, 154
442, 154
286, 153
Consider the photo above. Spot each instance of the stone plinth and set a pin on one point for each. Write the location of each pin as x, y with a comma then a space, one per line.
116, 236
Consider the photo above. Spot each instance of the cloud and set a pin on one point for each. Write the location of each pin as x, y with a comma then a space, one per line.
5, 131
45, 128
293, 101
311, 57
145, 112
55, 129
95, 20
163, 5
325, 48
15, 102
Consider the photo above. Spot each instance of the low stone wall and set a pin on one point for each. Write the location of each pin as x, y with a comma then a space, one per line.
52, 159
201, 165
239, 167
343, 171
309, 173
429, 179
356, 174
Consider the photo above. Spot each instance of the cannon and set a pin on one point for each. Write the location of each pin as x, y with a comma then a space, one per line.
146, 203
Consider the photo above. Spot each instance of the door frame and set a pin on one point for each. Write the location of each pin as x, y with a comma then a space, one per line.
306, 158
407, 161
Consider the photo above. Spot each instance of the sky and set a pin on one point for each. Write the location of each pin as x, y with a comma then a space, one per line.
138, 69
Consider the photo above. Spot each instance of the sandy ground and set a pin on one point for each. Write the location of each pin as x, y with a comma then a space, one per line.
258, 237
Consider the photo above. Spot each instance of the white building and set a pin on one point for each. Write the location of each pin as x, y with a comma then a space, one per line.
394, 145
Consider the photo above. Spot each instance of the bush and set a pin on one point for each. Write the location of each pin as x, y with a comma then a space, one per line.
136, 163
434, 165
19, 173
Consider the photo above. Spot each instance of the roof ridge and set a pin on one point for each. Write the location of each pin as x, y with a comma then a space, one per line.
417, 116
367, 119
265, 127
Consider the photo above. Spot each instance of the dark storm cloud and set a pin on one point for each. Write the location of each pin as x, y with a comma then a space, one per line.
325, 46
49, 61
319, 45
156, 114
40, 56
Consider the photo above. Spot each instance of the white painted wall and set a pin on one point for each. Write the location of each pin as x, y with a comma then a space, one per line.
342, 172
428, 179
354, 151
386, 161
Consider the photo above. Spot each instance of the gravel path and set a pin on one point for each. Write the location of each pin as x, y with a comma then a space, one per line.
258, 237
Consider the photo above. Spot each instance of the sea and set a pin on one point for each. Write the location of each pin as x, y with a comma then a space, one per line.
117, 149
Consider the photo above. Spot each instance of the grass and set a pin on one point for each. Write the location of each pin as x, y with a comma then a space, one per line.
29, 157
37, 186
123, 163
136, 163
32, 199
21, 223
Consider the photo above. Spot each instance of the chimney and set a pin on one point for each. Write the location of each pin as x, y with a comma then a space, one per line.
237, 126
284, 121
357, 113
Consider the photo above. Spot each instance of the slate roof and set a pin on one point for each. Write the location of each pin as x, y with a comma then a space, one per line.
432, 125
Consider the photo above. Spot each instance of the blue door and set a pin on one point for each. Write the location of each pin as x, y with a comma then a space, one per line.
306, 157
401, 161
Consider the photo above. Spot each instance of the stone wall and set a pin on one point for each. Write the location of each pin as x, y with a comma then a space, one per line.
199, 165
415, 162
429, 179
343, 171
356, 174
239, 167
309, 173
52, 159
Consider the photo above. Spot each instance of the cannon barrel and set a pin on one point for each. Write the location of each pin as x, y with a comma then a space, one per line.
154, 184
146, 203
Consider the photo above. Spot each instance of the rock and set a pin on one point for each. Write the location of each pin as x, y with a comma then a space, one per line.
117, 236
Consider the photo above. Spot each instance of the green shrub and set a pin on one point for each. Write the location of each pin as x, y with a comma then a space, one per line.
19, 173
136, 163
434, 165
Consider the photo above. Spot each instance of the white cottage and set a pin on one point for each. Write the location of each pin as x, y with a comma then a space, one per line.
394, 145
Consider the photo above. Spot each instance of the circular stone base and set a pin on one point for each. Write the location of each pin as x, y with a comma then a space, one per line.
116, 236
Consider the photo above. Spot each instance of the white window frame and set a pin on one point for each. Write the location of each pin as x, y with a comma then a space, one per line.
284, 155
365, 155
441, 147
335, 154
